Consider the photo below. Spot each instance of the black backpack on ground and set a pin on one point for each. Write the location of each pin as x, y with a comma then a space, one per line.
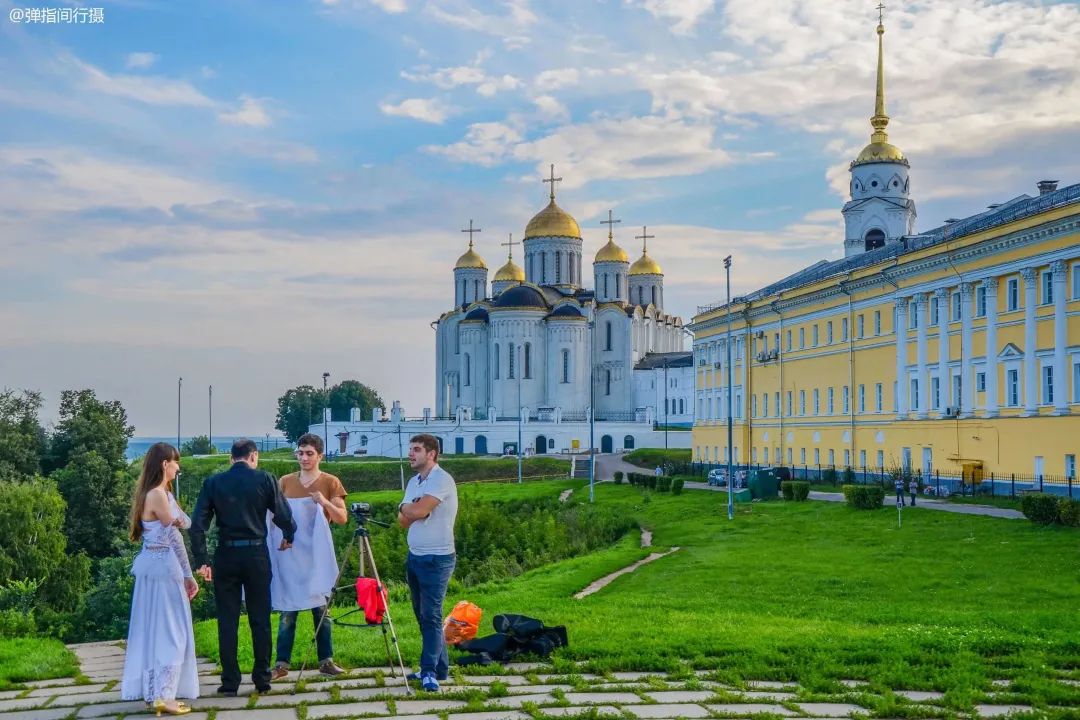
515, 635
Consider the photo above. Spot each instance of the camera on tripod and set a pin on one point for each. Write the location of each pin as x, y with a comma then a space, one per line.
361, 511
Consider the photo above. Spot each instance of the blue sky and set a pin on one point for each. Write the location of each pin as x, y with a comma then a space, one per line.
247, 194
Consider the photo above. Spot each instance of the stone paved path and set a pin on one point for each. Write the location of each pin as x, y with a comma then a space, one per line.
527, 691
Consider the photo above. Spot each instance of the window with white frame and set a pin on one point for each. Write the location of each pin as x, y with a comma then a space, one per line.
935, 392
828, 333
817, 456
980, 382
881, 458
468, 370
789, 460
817, 402
496, 373
914, 401
830, 401
802, 455
1070, 466
912, 315
956, 390
847, 458
860, 325
753, 406
934, 310
802, 402
1012, 294
843, 329
1048, 385
832, 457
846, 394
1012, 387
954, 300
776, 403
790, 400
802, 338
862, 399
1046, 282
877, 322
789, 340
814, 335
878, 398
765, 404
980, 300
1076, 281
862, 458
1076, 381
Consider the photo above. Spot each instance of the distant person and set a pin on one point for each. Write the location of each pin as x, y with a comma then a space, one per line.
658, 471
428, 511
899, 485
159, 663
304, 578
239, 498
913, 489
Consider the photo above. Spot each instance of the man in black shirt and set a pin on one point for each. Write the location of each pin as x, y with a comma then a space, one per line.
239, 498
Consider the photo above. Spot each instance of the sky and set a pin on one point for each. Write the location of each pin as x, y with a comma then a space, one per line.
249, 194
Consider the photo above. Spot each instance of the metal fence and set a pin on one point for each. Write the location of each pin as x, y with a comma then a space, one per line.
934, 482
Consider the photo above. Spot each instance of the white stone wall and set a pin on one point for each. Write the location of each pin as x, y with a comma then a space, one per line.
470, 285
569, 250
649, 392
880, 199
647, 290
616, 283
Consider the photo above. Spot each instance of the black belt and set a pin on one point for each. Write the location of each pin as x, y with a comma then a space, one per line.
242, 543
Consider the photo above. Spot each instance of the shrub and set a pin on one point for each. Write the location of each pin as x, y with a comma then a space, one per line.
618, 477
1069, 512
1040, 508
663, 483
864, 497
829, 476
802, 490
676, 486
786, 490
650, 481
849, 476
17, 600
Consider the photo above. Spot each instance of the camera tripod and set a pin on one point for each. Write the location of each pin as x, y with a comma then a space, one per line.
361, 540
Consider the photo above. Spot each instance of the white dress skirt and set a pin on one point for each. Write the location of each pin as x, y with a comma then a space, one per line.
160, 659
303, 576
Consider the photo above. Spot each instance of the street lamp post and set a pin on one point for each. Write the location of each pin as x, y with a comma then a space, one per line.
592, 408
326, 404
730, 428
179, 384
210, 401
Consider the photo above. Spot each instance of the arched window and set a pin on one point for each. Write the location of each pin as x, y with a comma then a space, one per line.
532, 276
476, 290
496, 368
607, 382
543, 268
566, 366
528, 360
653, 294
605, 285
363, 441
607, 333
640, 295
628, 442
874, 239
572, 260
468, 371
558, 267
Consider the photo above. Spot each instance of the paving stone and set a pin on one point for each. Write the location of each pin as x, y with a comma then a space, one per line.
370, 692
919, 695
51, 682
1074, 683
533, 689
67, 690
415, 707
275, 714
832, 710
990, 711
770, 685
93, 697
550, 677
680, 696
852, 683
774, 695
525, 666
117, 708
291, 699
750, 709
223, 703
46, 714
23, 704
9, 694
351, 682
1001, 683
516, 701
149, 715
633, 676
586, 698
579, 710
669, 711
490, 715
314, 712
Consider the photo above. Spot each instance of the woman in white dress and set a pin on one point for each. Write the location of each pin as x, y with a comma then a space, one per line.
159, 665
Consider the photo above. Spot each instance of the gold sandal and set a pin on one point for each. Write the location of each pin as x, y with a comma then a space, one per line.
180, 709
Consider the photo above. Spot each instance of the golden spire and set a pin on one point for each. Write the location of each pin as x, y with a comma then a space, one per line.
511, 271
880, 120
471, 259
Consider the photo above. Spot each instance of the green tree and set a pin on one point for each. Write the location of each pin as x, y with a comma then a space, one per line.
32, 528
298, 409
89, 425
198, 445
22, 439
101, 497
350, 394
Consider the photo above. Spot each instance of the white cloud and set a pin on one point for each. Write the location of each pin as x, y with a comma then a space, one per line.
511, 27
554, 79
551, 109
251, 113
485, 144
685, 13
149, 90
431, 110
391, 6
141, 60
452, 77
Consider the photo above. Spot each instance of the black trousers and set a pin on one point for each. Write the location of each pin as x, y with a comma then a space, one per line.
246, 568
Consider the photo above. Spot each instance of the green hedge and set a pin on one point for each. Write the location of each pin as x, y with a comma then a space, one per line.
651, 457
367, 476
797, 490
618, 477
1069, 512
864, 497
1040, 508
663, 483
676, 486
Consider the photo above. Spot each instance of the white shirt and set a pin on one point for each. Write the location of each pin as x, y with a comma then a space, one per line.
434, 535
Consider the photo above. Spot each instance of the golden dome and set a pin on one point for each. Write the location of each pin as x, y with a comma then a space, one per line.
611, 253
880, 152
471, 259
645, 265
511, 271
552, 221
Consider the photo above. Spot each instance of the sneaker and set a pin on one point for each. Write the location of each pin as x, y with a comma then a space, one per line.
280, 672
417, 677
329, 667
428, 682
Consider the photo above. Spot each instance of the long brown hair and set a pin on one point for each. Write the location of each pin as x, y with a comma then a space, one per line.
150, 477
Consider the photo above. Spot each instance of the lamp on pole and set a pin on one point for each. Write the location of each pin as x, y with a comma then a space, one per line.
592, 407
730, 428
326, 404
518, 370
210, 401
179, 384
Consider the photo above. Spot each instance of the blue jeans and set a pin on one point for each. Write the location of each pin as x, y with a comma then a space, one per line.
428, 576
286, 634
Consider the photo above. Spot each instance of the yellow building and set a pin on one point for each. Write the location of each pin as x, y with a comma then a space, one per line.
979, 320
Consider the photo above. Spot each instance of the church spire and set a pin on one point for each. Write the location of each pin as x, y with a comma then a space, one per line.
880, 120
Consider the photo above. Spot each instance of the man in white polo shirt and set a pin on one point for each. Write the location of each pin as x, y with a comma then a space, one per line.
429, 510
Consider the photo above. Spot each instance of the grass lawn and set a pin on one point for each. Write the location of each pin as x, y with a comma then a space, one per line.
814, 592
23, 659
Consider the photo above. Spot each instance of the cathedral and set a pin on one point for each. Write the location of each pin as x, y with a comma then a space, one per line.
536, 335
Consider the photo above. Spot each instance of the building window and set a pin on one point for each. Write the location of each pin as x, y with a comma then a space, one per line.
1047, 283
1076, 381
1048, 385
877, 398
955, 302
776, 403
605, 285
832, 457
957, 390
934, 310
510, 360
817, 402
1012, 387
1012, 294
828, 333
802, 455
817, 456
912, 315
496, 368
528, 361
802, 402
980, 382
1070, 466
843, 329
830, 401
607, 335
980, 300
753, 406
532, 276
802, 338
654, 295
572, 258
765, 404
814, 334
558, 266
881, 458
862, 398
1076, 281
543, 268
789, 457
789, 335
847, 400
566, 366
790, 400
860, 326
935, 393
914, 403
468, 371
877, 322
862, 459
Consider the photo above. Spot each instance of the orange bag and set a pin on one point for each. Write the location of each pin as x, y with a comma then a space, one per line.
462, 623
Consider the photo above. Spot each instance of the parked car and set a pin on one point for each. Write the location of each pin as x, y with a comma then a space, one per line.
718, 477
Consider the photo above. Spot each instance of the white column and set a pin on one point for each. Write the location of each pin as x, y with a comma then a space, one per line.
1031, 372
967, 384
991, 347
942, 296
921, 321
900, 326
1061, 379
